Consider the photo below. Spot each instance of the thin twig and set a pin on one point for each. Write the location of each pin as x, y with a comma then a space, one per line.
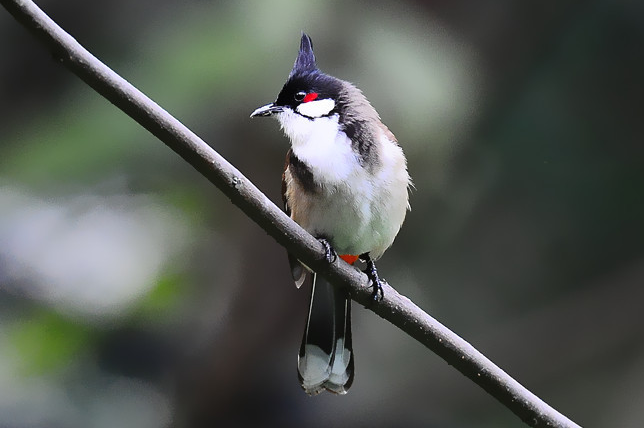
395, 308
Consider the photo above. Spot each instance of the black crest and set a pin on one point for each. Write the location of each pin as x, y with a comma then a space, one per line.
305, 62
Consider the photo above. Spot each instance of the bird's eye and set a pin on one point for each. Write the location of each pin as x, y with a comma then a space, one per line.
300, 96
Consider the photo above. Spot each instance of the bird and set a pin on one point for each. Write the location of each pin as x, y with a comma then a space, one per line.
346, 182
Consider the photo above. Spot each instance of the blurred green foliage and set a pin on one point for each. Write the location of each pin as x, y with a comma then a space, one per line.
46, 341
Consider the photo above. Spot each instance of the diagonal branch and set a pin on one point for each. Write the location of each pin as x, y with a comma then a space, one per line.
395, 308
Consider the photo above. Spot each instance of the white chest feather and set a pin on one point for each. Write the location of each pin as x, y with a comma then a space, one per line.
359, 210
320, 145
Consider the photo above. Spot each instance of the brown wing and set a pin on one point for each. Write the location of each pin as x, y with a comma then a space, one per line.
297, 269
286, 208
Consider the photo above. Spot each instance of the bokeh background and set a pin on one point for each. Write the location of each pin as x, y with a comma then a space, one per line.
132, 293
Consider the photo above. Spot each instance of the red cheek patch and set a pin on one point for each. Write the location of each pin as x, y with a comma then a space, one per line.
310, 97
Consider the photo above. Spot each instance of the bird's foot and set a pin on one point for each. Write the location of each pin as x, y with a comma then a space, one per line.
372, 273
329, 253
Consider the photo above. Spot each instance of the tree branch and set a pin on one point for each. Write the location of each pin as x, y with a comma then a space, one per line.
395, 308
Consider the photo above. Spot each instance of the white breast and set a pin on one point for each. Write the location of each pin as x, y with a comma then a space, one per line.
356, 209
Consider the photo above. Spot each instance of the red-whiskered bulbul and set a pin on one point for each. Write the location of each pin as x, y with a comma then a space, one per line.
345, 181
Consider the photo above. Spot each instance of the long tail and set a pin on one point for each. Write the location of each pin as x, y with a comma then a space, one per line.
326, 355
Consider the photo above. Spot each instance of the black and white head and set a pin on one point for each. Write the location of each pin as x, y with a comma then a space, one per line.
314, 102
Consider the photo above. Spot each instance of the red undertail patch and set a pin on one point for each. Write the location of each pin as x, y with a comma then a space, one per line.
351, 259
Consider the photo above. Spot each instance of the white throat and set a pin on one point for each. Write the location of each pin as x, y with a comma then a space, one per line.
321, 145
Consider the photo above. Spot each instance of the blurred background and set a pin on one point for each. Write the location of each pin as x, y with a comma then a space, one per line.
132, 293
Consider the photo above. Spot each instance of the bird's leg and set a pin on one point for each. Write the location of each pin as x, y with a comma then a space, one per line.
372, 274
329, 253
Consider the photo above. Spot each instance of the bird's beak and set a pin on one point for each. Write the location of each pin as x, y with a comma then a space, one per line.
267, 110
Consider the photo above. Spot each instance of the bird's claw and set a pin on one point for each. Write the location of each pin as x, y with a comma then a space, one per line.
329, 253
376, 283
377, 294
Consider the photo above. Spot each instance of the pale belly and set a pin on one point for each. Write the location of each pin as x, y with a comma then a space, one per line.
355, 219
357, 209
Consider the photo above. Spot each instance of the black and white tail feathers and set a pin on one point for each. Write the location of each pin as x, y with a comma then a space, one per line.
325, 360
